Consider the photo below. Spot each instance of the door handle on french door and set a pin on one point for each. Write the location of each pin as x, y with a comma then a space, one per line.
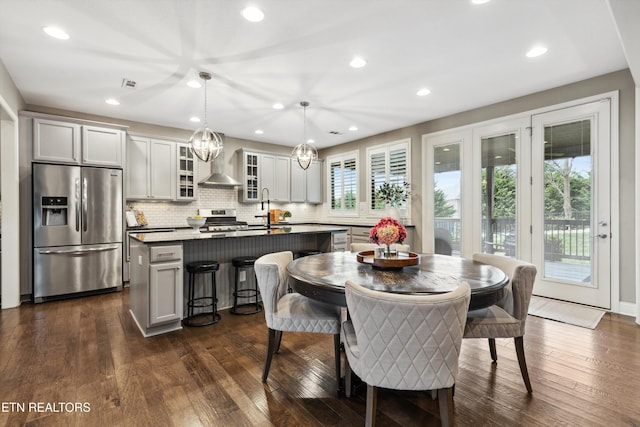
601, 235
84, 204
77, 204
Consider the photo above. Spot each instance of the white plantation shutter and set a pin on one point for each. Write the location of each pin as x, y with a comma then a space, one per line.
398, 166
387, 163
335, 185
350, 184
343, 183
378, 174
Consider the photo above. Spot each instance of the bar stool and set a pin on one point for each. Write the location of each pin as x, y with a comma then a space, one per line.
209, 304
307, 252
243, 263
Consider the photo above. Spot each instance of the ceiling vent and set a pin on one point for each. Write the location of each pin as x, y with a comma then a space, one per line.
128, 83
335, 132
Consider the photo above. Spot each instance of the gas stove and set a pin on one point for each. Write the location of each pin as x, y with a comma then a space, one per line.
221, 220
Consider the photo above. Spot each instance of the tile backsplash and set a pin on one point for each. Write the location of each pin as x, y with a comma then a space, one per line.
174, 214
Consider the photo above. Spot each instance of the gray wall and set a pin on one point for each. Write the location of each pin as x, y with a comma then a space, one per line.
620, 80
9, 91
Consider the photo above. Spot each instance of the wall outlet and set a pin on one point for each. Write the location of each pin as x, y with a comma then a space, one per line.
242, 277
139, 259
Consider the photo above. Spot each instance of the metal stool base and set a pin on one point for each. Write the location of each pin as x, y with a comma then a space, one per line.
247, 307
208, 303
204, 316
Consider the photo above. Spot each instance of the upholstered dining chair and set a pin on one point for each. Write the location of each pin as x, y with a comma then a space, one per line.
291, 312
404, 342
359, 247
507, 318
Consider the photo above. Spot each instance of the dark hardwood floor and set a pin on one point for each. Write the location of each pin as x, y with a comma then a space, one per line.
89, 351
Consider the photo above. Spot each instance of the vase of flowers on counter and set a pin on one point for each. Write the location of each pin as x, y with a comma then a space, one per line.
387, 232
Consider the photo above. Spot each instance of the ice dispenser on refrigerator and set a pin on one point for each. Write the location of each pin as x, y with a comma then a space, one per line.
54, 211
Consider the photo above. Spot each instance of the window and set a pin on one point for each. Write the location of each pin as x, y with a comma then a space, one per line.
387, 163
343, 183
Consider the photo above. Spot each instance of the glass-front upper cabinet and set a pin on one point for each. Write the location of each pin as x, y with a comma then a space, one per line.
251, 183
186, 173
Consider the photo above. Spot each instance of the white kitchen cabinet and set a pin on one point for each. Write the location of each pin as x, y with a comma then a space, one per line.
314, 182
156, 287
151, 169
360, 234
165, 292
71, 143
186, 173
274, 175
137, 167
265, 170
306, 185
102, 146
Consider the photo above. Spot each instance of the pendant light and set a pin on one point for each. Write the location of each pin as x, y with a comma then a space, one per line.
205, 143
304, 153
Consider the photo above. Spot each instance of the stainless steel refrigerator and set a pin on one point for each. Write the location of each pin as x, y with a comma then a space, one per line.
77, 229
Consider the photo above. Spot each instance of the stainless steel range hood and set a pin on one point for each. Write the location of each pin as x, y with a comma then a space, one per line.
218, 178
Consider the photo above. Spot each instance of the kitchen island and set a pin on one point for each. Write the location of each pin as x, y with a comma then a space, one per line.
157, 294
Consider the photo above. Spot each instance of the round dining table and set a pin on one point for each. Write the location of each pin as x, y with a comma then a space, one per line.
322, 277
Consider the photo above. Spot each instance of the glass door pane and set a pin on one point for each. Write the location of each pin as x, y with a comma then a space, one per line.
567, 201
499, 183
446, 199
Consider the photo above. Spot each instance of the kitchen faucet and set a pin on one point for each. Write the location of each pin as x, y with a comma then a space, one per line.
268, 205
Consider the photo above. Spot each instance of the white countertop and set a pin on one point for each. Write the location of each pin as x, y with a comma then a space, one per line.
184, 235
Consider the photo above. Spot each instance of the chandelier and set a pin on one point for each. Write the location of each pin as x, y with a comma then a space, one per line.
304, 153
205, 143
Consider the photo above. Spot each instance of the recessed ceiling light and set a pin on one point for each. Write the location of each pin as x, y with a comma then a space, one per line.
310, 141
252, 14
258, 132
353, 128
480, 1
278, 106
195, 119
112, 101
194, 84
358, 62
536, 51
56, 32
423, 92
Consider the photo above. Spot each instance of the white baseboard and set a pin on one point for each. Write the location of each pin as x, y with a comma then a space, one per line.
626, 308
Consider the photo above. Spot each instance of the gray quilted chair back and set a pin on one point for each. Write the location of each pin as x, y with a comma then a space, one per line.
406, 342
522, 276
271, 273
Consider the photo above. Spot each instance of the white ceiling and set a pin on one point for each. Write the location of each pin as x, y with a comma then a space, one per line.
467, 55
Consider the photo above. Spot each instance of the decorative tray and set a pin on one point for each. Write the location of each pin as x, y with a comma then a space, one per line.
397, 261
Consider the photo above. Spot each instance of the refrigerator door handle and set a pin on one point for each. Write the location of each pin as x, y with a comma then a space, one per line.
78, 251
84, 204
77, 204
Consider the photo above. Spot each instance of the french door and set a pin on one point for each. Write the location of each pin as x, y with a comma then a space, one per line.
571, 204
535, 187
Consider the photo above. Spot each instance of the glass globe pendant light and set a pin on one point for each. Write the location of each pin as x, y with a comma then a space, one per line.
304, 153
205, 143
